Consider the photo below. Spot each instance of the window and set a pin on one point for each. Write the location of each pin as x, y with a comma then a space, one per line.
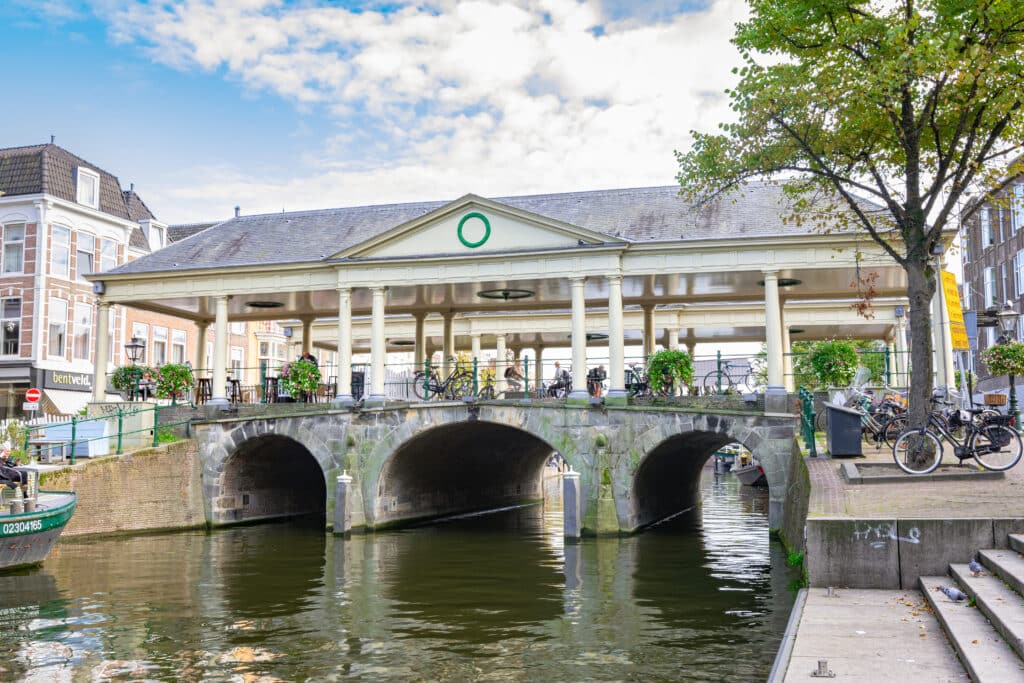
989, 280
965, 247
10, 326
60, 252
108, 255
14, 248
236, 362
990, 336
58, 328
140, 331
1018, 271
157, 234
85, 253
178, 343
1017, 209
159, 345
967, 296
1003, 282
237, 328
88, 188
1020, 329
111, 334
264, 349
83, 331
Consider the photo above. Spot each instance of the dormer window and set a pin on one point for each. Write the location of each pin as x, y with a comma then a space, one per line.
156, 237
88, 188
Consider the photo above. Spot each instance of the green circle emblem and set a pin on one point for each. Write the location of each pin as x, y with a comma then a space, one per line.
487, 229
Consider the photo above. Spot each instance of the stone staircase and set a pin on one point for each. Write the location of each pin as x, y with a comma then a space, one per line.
988, 636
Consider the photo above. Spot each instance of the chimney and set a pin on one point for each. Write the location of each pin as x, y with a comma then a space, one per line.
238, 211
52, 138
131, 187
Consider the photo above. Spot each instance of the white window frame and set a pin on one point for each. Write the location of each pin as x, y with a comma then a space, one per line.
85, 173
985, 216
179, 346
158, 235
989, 287
990, 337
90, 254
7, 247
1017, 208
140, 331
1003, 282
160, 339
4, 321
108, 260
60, 246
81, 339
967, 296
53, 321
237, 327
236, 361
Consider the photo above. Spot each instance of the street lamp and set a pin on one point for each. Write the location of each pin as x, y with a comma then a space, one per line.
134, 349
1007, 319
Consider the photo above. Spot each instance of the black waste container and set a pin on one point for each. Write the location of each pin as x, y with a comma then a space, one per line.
843, 432
358, 382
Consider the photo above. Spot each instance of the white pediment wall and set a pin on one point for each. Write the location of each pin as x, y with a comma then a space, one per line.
506, 233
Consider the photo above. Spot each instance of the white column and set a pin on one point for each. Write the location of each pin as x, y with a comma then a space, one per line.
579, 341
99, 380
220, 352
773, 329
449, 343
500, 363
787, 360
307, 334
474, 340
673, 338
890, 347
420, 353
902, 357
649, 340
378, 351
537, 371
943, 340
616, 342
344, 388
202, 328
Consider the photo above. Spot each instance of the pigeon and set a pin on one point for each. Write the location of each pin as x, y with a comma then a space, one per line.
976, 568
953, 594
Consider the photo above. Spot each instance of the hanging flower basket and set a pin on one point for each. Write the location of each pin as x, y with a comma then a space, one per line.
300, 377
1004, 359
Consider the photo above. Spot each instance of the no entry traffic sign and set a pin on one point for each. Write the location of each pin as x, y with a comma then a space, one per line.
33, 395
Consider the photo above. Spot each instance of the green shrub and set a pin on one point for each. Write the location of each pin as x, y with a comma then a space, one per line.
301, 376
834, 362
669, 363
173, 380
124, 378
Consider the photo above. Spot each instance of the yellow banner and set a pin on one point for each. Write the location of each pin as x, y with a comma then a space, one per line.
957, 329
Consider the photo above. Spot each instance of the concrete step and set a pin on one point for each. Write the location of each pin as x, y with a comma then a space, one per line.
1007, 565
1017, 542
1001, 605
982, 651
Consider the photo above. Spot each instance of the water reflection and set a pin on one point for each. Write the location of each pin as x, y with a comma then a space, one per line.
493, 597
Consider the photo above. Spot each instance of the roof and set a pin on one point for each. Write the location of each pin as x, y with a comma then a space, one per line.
625, 215
176, 233
50, 169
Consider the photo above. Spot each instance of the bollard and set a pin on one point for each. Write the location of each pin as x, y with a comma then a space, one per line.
342, 516
822, 671
476, 382
156, 428
74, 428
572, 521
426, 379
526, 377
120, 430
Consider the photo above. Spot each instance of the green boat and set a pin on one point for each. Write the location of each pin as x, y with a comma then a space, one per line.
26, 537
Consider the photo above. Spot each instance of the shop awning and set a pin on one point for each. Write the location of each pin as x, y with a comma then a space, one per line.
64, 402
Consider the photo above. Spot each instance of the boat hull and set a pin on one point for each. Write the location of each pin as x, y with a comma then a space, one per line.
751, 475
27, 538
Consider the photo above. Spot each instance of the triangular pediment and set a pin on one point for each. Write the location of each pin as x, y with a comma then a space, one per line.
473, 225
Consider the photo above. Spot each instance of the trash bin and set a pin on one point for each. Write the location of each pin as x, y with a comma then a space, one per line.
358, 382
844, 431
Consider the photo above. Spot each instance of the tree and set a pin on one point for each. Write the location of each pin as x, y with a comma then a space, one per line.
910, 104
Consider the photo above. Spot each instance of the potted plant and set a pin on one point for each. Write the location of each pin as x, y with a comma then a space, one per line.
125, 378
669, 367
834, 362
173, 380
300, 378
1004, 359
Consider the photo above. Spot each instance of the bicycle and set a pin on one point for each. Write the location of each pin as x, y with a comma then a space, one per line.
745, 375
993, 444
456, 385
637, 385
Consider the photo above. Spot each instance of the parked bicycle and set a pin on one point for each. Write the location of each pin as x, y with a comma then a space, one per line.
457, 384
990, 440
732, 376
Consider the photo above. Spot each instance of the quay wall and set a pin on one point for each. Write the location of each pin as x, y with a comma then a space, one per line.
893, 553
146, 490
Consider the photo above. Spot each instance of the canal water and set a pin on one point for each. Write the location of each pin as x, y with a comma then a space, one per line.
498, 597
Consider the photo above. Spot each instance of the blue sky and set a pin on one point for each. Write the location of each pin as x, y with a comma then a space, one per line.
205, 104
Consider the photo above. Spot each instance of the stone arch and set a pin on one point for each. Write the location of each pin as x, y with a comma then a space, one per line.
452, 467
666, 480
269, 476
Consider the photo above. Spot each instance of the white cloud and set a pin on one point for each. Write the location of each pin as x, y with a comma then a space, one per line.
512, 97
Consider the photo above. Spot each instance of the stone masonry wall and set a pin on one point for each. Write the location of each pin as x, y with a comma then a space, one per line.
150, 489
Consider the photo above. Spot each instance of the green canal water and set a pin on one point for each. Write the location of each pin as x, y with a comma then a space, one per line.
489, 598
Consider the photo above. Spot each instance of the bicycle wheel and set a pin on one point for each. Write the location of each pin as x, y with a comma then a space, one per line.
417, 385
755, 382
917, 452
487, 392
711, 382
821, 421
996, 447
891, 430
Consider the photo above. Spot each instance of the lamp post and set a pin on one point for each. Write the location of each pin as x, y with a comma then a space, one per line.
134, 349
1007, 319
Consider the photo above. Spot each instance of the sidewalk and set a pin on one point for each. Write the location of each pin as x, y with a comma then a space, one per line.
872, 635
832, 496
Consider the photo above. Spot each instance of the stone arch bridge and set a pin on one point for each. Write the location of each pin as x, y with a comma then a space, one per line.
636, 464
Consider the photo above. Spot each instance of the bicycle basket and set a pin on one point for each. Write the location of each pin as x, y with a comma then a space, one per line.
1004, 420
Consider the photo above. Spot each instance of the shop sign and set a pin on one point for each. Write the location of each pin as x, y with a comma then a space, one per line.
72, 381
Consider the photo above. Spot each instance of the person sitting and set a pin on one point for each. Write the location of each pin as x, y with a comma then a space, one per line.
147, 386
561, 383
9, 476
595, 380
513, 375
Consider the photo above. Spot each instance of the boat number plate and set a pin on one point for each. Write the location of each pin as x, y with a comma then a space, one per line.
22, 527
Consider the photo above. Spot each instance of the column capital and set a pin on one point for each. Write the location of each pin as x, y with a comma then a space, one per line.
222, 297
770, 274
103, 303
577, 279
616, 278
343, 289
379, 288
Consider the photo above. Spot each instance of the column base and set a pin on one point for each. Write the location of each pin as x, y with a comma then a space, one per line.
219, 401
776, 400
616, 397
343, 401
578, 397
375, 401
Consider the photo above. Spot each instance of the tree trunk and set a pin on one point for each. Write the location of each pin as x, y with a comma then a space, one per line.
920, 290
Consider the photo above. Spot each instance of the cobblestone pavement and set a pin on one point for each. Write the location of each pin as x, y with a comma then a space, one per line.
832, 496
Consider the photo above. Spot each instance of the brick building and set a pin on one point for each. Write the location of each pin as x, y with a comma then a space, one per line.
61, 218
992, 253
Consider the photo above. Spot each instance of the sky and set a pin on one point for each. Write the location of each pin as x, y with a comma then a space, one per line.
273, 105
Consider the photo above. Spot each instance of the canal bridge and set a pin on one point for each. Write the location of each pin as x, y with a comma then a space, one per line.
413, 462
